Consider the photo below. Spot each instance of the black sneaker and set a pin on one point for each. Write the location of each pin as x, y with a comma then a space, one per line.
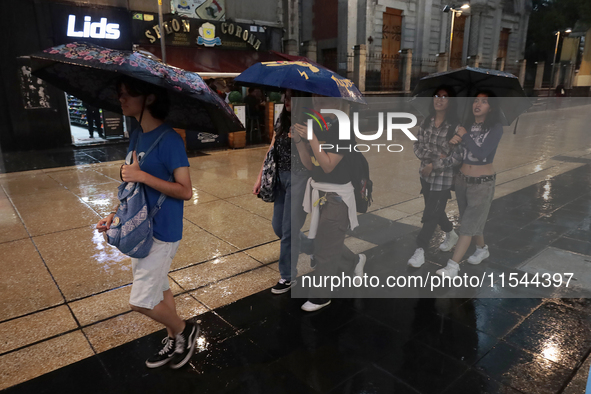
164, 355
185, 345
282, 286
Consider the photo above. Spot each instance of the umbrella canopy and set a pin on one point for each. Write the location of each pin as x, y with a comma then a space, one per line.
303, 76
468, 80
90, 72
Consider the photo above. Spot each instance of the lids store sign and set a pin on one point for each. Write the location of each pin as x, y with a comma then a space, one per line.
183, 32
106, 26
100, 30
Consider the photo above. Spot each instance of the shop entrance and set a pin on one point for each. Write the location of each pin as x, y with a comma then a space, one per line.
90, 125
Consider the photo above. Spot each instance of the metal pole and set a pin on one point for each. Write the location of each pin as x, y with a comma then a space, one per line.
162, 32
554, 61
451, 37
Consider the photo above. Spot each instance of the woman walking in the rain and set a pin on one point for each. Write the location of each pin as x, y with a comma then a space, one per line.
439, 159
288, 214
475, 183
150, 292
330, 198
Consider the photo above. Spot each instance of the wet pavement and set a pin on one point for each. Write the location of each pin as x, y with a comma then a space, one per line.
66, 326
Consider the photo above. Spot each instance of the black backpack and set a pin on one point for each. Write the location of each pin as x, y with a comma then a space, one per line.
359, 169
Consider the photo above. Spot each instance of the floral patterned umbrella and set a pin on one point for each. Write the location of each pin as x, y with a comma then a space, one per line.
90, 72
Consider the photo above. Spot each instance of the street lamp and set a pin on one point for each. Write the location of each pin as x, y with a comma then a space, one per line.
456, 11
557, 34
162, 32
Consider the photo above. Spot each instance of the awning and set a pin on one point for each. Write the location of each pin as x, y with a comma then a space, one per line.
213, 61
294, 58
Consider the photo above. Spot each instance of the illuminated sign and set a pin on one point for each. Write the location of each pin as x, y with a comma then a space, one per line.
100, 30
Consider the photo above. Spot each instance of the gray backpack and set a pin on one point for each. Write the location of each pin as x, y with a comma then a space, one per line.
131, 230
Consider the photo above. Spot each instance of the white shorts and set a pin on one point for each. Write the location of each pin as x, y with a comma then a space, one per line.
150, 274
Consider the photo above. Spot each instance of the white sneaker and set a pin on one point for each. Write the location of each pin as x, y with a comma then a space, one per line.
479, 255
451, 239
451, 269
417, 259
360, 265
311, 307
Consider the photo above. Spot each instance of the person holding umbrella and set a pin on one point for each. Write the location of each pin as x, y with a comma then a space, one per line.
475, 183
288, 214
330, 198
150, 292
159, 96
439, 159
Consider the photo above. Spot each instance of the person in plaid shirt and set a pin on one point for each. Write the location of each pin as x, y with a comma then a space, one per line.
439, 161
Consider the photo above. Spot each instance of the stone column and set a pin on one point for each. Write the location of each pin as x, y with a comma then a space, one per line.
556, 76
442, 62
522, 64
347, 33
407, 53
310, 50
569, 76
539, 76
291, 47
359, 63
292, 28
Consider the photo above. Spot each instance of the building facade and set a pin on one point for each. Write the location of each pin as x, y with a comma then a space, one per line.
489, 34
35, 115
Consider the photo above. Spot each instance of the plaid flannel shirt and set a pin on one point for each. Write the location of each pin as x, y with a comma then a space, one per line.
431, 143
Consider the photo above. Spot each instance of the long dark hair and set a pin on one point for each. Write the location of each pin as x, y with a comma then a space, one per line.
492, 118
284, 123
285, 116
451, 113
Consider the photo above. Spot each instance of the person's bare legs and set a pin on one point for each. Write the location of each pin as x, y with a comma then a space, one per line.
479, 240
164, 314
461, 248
169, 300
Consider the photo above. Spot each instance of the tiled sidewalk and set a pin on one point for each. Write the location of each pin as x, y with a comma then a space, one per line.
266, 344
65, 294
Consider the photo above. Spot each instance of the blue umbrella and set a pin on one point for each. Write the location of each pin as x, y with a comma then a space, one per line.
302, 76
90, 72
468, 80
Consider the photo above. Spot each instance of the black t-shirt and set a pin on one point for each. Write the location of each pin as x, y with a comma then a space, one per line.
339, 175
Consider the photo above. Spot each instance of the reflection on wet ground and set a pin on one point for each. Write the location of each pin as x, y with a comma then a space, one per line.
265, 343
65, 157
66, 325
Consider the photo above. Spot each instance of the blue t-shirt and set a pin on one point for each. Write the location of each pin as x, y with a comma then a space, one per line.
167, 156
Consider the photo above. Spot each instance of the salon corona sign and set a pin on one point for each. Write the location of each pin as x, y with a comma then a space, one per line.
194, 32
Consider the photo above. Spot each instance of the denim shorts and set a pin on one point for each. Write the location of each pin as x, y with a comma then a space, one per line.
150, 274
474, 202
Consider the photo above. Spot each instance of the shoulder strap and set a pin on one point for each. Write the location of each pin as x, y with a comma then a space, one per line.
162, 197
160, 201
137, 133
153, 145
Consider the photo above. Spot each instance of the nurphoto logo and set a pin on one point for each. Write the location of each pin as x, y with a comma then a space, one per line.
392, 119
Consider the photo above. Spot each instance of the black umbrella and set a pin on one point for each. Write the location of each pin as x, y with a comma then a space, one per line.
468, 80
90, 72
